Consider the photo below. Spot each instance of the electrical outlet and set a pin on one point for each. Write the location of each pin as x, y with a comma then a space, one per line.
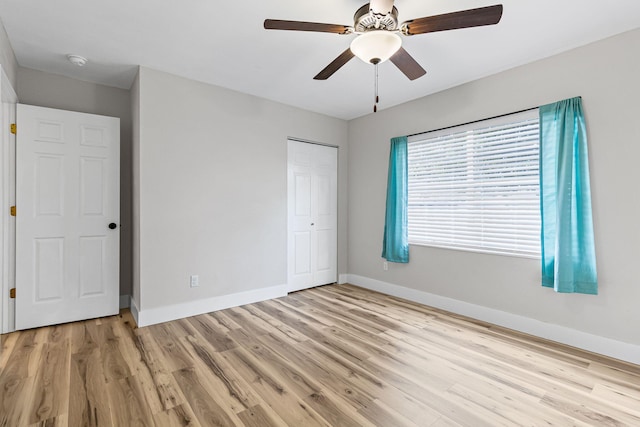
385, 265
194, 281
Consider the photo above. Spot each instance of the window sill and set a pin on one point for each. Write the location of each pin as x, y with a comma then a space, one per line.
475, 250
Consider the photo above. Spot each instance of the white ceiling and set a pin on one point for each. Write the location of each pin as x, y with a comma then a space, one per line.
224, 43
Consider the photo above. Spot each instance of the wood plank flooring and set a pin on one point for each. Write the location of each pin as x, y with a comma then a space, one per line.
336, 355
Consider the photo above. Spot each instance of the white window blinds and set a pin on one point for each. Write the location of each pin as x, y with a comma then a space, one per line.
476, 187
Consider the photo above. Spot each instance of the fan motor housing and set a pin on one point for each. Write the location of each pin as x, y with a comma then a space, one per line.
365, 20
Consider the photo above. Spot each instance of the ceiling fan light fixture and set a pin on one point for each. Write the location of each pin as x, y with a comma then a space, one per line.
376, 46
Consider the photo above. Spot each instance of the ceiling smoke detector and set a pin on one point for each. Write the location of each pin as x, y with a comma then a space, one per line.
77, 60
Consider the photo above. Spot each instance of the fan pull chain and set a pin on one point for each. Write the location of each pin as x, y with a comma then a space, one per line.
375, 88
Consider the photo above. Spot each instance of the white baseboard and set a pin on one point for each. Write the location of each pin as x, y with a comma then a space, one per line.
134, 310
343, 278
192, 308
593, 343
125, 301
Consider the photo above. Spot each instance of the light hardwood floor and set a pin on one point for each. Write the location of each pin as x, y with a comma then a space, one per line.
331, 356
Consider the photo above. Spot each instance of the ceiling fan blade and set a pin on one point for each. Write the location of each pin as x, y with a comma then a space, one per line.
335, 65
277, 24
381, 6
407, 64
489, 15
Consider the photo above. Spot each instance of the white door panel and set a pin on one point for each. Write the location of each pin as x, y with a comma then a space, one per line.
67, 184
302, 250
312, 215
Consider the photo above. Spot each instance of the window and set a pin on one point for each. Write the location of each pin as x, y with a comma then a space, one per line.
476, 187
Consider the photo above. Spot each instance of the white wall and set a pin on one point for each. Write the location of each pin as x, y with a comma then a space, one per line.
213, 191
606, 75
54, 91
7, 57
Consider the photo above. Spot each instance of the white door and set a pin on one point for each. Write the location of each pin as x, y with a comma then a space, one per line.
68, 210
312, 214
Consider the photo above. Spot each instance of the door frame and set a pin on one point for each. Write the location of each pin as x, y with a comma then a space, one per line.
7, 199
337, 147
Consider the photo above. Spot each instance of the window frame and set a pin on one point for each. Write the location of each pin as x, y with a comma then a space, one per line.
522, 116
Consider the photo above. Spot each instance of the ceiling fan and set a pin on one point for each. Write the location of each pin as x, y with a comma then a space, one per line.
376, 24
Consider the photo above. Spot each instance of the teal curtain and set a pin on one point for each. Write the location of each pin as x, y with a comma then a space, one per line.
395, 244
568, 252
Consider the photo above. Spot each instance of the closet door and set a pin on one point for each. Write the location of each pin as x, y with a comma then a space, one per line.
312, 215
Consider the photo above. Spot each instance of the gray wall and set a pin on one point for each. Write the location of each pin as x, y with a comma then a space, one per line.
213, 188
7, 57
54, 91
605, 74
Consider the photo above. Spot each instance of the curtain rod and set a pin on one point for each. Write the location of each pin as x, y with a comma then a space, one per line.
479, 120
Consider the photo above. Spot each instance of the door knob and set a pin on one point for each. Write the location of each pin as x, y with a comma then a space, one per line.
112, 226
312, 224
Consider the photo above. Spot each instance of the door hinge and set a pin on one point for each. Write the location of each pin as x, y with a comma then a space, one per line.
12, 292
13, 211
14, 128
